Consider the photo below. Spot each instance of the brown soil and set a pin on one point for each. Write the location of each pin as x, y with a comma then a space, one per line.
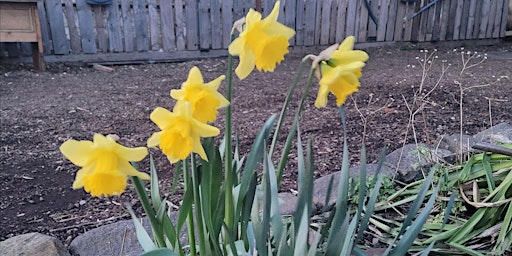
39, 111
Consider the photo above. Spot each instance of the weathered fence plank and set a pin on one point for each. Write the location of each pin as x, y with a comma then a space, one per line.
504, 15
114, 27
290, 9
430, 21
181, 33
192, 24
167, 20
227, 22
74, 37
57, 27
86, 24
128, 26
332, 24
478, 19
399, 22
205, 35
390, 25
372, 26
486, 8
383, 15
350, 24
362, 24
497, 20
492, 15
340, 24
141, 25
458, 19
436, 30
318, 24
101, 31
309, 35
45, 30
154, 26
216, 25
470, 20
464, 19
325, 22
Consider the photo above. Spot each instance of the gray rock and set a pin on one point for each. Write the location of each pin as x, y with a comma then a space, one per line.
410, 160
498, 133
452, 143
33, 244
287, 203
321, 184
113, 239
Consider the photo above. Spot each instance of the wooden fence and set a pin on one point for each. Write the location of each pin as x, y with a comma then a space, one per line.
72, 27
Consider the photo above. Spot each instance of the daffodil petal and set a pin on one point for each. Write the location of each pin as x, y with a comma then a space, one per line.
131, 154
194, 77
79, 177
252, 17
161, 117
78, 152
236, 47
274, 13
154, 140
198, 148
321, 98
246, 65
205, 130
347, 44
129, 170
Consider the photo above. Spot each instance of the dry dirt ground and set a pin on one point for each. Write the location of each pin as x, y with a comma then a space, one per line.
39, 111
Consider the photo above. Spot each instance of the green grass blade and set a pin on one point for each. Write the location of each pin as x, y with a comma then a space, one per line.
488, 172
156, 199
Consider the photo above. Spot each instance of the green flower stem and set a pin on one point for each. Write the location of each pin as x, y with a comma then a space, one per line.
285, 105
198, 208
228, 156
150, 213
289, 139
190, 215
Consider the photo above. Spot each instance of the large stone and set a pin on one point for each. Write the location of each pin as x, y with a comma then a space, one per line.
412, 159
452, 143
321, 184
113, 239
33, 244
498, 133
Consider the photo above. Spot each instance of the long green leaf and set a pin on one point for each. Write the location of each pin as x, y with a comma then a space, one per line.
143, 237
156, 199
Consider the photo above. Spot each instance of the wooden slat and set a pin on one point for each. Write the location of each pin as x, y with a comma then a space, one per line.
351, 18
399, 22
497, 19
167, 19
436, 31
478, 18
181, 35
341, 21
299, 23
464, 19
154, 26
372, 27
486, 8
325, 22
290, 9
458, 19
216, 25
430, 22
383, 17
205, 35
416, 22
227, 22
57, 28
422, 31
128, 26
86, 24
114, 27
332, 25
191, 25
445, 10
505, 14
318, 23
362, 24
390, 28
451, 20
408, 23
309, 35
101, 31
141, 25
471, 19
267, 6
71, 19
238, 11
492, 17
45, 30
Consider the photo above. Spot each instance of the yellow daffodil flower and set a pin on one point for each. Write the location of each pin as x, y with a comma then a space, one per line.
340, 73
261, 43
204, 98
105, 164
180, 132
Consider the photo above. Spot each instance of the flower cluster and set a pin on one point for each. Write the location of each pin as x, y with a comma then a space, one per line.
261, 44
